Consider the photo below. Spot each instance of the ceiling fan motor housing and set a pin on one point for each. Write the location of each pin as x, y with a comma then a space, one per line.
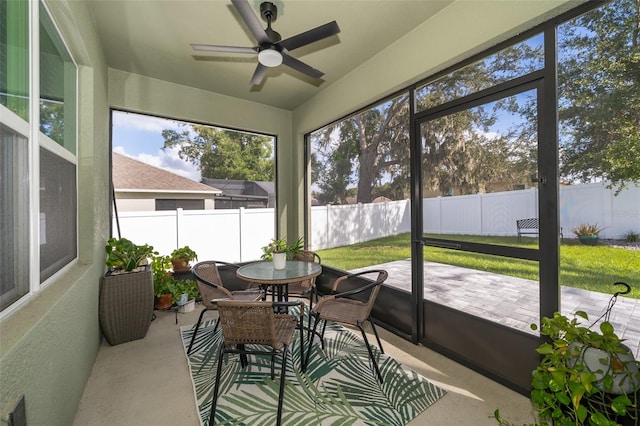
268, 11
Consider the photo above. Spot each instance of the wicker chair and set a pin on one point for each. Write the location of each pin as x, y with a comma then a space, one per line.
342, 308
256, 324
305, 288
212, 290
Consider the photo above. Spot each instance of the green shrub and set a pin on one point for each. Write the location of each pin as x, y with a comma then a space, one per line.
631, 237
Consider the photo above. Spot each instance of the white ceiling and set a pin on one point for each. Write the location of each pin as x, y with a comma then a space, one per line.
152, 38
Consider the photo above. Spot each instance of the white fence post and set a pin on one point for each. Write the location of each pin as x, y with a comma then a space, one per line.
179, 219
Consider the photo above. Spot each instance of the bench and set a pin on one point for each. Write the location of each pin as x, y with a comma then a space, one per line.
530, 226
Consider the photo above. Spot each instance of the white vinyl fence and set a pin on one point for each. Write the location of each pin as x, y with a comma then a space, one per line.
238, 235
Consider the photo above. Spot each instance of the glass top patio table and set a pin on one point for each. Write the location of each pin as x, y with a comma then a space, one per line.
265, 274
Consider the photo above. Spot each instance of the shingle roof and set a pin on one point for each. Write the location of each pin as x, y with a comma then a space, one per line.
130, 174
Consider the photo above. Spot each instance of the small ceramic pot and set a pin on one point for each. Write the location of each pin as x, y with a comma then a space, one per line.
279, 260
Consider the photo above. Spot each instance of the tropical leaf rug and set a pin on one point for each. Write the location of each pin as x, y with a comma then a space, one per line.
338, 388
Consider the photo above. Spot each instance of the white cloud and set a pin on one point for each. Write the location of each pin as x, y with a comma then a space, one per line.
166, 160
142, 122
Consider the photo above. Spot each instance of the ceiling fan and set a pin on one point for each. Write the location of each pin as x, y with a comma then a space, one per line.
271, 49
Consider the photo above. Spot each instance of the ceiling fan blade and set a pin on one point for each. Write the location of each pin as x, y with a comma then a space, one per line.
301, 66
313, 35
226, 49
251, 20
258, 74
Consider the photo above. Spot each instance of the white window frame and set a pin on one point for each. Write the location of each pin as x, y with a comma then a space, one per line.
36, 140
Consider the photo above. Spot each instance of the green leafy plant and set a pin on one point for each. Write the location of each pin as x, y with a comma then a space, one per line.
184, 253
185, 286
569, 388
281, 246
163, 281
587, 230
122, 254
181, 257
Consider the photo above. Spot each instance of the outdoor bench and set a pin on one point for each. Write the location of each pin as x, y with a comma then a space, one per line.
530, 226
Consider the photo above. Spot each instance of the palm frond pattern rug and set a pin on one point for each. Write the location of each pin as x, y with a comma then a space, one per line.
338, 388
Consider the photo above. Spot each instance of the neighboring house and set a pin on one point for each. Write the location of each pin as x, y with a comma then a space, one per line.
243, 193
141, 187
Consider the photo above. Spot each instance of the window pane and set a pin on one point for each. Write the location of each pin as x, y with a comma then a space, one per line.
168, 204
57, 213
14, 57
14, 217
512, 62
57, 87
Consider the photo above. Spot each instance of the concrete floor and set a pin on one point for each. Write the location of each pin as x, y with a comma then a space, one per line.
147, 382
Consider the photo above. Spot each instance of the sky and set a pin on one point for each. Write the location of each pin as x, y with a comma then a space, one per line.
140, 137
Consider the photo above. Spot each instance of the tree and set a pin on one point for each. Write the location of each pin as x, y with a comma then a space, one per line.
331, 166
599, 94
381, 139
52, 119
362, 149
371, 149
223, 154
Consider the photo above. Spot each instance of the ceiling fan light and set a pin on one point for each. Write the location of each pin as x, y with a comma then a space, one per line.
270, 58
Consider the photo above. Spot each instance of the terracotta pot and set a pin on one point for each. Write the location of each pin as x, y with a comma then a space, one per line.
180, 265
164, 302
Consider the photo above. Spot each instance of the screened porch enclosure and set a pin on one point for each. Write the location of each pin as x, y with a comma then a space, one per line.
494, 123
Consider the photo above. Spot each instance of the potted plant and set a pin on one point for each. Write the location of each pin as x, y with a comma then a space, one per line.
181, 257
163, 282
279, 251
125, 256
585, 377
587, 234
126, 291
281, 246
185, 293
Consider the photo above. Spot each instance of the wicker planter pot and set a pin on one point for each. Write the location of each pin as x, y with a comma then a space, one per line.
126, 306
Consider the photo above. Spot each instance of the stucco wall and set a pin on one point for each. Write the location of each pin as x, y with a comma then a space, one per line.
48, 345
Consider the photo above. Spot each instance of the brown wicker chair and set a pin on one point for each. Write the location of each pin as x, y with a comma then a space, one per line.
342, 308
305, 288
212, 289
256, 323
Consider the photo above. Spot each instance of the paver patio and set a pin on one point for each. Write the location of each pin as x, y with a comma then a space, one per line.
512, 301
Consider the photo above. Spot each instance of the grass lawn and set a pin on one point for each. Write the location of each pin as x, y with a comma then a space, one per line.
593, 268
